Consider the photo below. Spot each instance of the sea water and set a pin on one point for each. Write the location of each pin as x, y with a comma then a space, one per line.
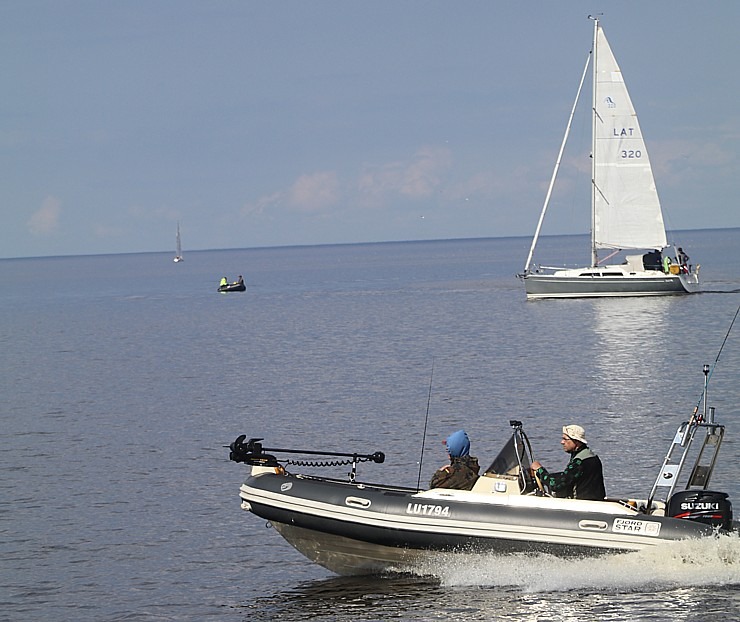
125, 376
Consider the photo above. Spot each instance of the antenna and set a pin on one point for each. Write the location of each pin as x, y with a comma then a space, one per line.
426, 420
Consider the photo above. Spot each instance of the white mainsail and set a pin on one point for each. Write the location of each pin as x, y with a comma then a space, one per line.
626, 209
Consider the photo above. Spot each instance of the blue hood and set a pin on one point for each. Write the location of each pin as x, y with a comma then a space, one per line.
458, 444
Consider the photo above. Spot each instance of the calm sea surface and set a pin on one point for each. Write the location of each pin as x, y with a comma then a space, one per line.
124, 376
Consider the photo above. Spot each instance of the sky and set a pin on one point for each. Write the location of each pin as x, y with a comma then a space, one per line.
294, 122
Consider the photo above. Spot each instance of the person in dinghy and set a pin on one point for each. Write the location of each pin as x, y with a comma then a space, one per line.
462, 471
583, 477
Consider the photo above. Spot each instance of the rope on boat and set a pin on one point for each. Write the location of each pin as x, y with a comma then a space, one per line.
327, 463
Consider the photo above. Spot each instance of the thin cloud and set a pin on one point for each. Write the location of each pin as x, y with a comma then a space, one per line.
263, 204
423, 175
45, 221
310, 193
416, 178
315, 192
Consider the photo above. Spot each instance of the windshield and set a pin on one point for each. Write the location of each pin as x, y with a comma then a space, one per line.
513, 459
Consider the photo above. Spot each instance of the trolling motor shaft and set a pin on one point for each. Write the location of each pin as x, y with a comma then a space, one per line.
253, 453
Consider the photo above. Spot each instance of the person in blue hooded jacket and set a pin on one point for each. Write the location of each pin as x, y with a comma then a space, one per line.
462, 471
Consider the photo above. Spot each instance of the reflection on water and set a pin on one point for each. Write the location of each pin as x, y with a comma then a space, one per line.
631, 336
349, 598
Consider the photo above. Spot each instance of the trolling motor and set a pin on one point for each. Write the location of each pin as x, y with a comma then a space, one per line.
253, 453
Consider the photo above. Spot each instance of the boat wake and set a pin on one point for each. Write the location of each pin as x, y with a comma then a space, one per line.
720, 291
701, 562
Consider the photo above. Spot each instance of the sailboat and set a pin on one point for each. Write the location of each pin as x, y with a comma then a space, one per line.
178, 255
625, 209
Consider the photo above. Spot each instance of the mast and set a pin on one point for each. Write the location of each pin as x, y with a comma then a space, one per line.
594, 255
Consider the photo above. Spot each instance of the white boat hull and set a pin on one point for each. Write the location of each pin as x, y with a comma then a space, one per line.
590, 283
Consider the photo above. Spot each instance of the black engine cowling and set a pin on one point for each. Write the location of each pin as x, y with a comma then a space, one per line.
702, 506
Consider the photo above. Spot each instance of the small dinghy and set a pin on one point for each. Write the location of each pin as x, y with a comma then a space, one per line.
355, 528
233, 287
236, 286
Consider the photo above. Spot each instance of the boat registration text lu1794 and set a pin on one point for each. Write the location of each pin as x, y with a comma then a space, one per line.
428, 510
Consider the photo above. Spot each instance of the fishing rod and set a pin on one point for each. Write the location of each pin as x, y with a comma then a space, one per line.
710, 371
426, 421
696, 416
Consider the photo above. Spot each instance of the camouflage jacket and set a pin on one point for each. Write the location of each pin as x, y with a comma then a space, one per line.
460, 474
581, 479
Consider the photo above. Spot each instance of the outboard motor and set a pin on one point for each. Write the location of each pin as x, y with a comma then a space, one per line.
702, 506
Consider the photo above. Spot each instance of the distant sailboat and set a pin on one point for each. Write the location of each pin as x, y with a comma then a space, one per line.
178, 255
626, 212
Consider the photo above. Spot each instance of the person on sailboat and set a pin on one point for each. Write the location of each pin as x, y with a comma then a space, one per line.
583, 477
653, 260
462, 472
683, 261
667, 264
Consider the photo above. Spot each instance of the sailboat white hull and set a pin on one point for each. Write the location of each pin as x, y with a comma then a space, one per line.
608, 281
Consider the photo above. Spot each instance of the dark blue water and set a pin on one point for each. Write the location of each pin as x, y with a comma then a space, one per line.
124, 376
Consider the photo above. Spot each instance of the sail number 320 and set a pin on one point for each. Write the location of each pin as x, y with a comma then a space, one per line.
631, 154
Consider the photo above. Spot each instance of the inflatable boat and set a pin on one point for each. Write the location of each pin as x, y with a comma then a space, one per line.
356, 528
232, 287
